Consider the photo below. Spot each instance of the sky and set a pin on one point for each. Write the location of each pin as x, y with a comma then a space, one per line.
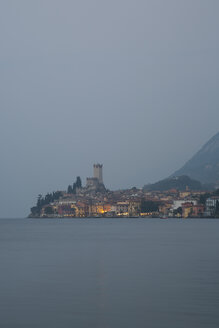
130, 84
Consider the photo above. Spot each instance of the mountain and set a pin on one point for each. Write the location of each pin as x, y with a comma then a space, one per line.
180, 183
204, 165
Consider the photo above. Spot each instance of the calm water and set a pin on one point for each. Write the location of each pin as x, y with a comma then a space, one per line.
109, 273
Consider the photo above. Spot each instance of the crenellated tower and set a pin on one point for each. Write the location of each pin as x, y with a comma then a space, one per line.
98, 172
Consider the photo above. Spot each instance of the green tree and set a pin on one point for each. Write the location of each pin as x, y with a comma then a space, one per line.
70, 189
203, 198
74, 188
178, 211
39, 202
34, 211
149, 206
78, 182
49, 210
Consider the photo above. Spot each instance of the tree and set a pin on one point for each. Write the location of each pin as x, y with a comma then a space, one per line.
178, 211
149, 206
203, 198
78, 182
70, 189
39, 202
74, 188
34, 211
48, 198
49, 210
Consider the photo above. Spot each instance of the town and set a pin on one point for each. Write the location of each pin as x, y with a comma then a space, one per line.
94, 200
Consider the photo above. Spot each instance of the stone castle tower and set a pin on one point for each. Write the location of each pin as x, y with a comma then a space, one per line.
96, 182
98, 172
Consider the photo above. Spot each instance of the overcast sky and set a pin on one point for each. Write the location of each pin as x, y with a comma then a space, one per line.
130, 84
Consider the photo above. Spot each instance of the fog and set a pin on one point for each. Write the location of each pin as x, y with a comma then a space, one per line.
130, 84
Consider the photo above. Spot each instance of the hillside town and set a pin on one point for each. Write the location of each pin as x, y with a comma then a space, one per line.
94, 200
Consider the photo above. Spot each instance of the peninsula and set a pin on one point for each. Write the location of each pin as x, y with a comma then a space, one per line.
179, 197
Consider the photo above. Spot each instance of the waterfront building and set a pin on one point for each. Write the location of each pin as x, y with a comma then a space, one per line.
179, 203
187, 209
198, 210
211, 205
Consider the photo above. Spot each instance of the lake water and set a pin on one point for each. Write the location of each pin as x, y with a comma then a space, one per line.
109, 273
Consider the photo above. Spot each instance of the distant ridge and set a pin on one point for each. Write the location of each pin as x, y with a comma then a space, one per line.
180, 183
204, 165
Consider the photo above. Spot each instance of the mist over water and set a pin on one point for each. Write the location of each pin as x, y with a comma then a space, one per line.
130, 84
109, 273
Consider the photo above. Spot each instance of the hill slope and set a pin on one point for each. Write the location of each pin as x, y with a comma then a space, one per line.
204, 165
180, 183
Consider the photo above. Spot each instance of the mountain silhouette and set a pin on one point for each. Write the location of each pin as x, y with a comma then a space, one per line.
204, 165
181, 183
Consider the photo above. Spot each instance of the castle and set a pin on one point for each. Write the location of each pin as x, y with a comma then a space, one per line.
96, 182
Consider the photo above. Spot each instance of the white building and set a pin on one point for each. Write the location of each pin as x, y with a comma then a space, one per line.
179, 202
211, 204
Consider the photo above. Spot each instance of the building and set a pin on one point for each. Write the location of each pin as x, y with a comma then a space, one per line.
198, 210
179, 203
92, 183
98, 172
187, 209
96, 182
211, 205
120, 208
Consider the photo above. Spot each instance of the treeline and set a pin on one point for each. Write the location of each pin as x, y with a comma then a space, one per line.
77, 184
42, 201
149, 206
51, 197
180, 183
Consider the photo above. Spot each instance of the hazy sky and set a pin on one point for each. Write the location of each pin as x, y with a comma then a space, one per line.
130, 84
